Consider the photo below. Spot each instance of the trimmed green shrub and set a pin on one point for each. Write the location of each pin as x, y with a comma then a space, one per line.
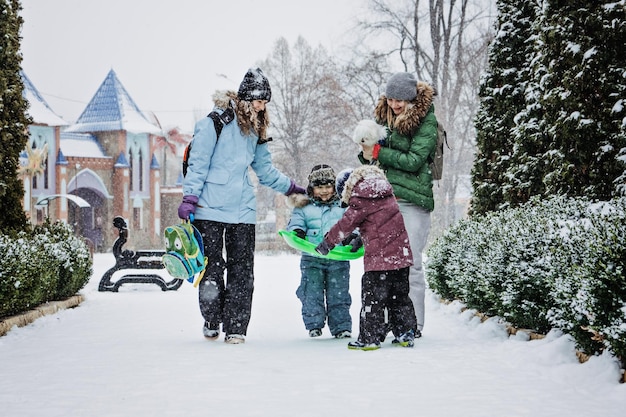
552, 263
46, 264
590, 298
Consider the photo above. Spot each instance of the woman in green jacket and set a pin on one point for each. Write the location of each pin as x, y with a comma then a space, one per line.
407, 111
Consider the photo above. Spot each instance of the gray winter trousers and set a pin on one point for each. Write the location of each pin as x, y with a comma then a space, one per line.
417, 223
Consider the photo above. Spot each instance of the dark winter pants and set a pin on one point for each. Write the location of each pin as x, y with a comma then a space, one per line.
325, 292
227, 301
380, 290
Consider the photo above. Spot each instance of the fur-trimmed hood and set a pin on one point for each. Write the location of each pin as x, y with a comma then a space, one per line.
409, 121
302, 200
224, 99
297, 200
366, 181
247, 119
374, 210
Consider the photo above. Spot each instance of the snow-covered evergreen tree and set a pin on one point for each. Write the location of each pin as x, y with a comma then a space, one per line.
585, 91
502, 94
13, 120
552, 120
527, 165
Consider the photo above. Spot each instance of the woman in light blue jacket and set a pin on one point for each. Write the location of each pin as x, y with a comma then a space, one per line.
219, 193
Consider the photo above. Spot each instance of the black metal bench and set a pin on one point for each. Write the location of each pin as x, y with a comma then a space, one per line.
127, 259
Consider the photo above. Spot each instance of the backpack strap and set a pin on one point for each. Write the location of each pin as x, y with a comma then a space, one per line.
221, 120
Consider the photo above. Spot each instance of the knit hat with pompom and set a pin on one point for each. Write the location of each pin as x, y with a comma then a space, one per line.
255, 86
340, 183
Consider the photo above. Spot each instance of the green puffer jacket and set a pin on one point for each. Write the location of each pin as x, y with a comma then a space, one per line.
405, 155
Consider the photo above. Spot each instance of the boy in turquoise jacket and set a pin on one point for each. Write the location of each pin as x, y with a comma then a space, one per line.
325, 284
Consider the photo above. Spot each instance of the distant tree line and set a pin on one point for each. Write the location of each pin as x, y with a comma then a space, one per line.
318, 98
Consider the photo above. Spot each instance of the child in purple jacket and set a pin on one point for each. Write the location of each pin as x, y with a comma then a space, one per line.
372, 208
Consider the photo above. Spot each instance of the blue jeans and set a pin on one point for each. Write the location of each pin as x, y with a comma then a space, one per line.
324, 292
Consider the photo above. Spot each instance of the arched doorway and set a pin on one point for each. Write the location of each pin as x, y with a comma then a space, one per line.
88, 222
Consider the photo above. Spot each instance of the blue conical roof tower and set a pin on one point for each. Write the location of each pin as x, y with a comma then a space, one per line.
112, 108
38, 108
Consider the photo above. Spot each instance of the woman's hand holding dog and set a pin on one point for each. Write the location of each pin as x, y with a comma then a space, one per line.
367, 151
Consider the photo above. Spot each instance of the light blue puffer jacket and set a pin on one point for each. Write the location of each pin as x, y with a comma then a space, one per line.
315, 218
218, 173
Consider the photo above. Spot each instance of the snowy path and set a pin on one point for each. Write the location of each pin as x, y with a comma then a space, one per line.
140, 352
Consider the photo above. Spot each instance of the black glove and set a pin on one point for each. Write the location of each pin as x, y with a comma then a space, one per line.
356, 243
324, 247
353, 240
346, 241
300, 233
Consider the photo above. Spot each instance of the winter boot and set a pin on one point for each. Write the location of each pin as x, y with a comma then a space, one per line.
235, 339
211, 330
405, 340
363, 346
315, 332
345, 334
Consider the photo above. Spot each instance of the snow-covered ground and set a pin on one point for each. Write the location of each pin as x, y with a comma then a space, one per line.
140, 352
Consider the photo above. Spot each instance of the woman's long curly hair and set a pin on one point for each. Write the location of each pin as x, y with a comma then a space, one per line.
251, 121
248, 120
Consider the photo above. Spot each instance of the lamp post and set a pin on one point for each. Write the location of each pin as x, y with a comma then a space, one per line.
77, 210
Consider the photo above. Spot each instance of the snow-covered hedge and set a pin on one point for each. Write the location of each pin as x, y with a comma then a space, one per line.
49, 263
556, 263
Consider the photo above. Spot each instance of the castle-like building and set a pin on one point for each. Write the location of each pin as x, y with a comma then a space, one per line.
109, 163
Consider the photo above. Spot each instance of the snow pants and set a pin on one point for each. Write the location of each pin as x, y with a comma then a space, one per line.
382, 290
417, 223
227, 301
324, 293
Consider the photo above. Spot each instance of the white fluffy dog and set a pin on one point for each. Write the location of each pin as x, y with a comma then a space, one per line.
368, 132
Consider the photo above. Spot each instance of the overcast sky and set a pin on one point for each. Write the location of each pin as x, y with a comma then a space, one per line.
167, 54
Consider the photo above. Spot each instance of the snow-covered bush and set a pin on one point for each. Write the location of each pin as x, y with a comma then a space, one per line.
590, 300
553, 263
49, 263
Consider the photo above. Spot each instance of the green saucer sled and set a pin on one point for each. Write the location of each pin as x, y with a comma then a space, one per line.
339, 253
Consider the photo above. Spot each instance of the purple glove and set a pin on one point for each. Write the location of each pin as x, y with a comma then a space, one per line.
295, 189
187, 207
